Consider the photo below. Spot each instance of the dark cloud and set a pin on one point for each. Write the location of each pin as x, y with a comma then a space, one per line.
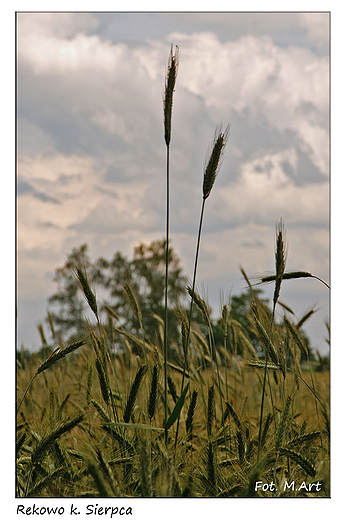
45, 198
23, 188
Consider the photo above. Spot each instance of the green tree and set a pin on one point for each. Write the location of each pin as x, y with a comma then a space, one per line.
144, 273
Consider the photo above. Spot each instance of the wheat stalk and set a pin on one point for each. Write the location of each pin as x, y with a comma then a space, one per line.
283, 425
152, 402
299, 459
212, 166
211, 469
210, 410
47, 442
173, 66
224, 325
133, 302
131, 400
231, 411
95, 472
81, 275
103, 380
57, 354
214, 158
291, 275
190, 413
280, 265
172, 389
107, 472
280, 262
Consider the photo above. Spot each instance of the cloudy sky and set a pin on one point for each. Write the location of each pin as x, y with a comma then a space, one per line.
91, 154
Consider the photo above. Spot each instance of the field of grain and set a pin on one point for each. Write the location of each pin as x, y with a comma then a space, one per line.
93, 426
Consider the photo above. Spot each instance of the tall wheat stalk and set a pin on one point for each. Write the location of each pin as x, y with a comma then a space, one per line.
212, 166
280, 264
173, 66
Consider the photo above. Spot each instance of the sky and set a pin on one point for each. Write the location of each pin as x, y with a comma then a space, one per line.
91, 153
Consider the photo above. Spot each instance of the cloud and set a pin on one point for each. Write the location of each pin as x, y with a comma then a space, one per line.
286, 29
317, 27
287, 87
54, 25
91, 157
264, 189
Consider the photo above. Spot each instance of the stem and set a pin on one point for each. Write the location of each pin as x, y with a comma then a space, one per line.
27, 388
264, 388
214, 355
225, 350
191, 310
166, 311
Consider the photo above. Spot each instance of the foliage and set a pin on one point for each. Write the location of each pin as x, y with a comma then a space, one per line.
144, 274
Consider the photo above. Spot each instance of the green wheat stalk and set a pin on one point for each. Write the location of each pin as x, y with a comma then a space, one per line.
190, 414
152, 402
291, 275
173, 66
210, 411
280, 264
131, 400
212, 166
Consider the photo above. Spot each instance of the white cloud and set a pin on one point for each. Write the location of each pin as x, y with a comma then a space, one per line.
264, 190
288, 87
92, 156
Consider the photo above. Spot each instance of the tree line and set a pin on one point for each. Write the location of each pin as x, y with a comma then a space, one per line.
68, 314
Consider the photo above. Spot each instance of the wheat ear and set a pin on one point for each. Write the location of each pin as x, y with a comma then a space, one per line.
130, 404
52, 359
173, 65
190, 413
214, 159
152, 402
210, 410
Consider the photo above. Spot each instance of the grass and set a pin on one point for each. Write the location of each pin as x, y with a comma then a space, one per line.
94, 423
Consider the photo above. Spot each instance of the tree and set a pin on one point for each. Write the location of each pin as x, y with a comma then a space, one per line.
145, 275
